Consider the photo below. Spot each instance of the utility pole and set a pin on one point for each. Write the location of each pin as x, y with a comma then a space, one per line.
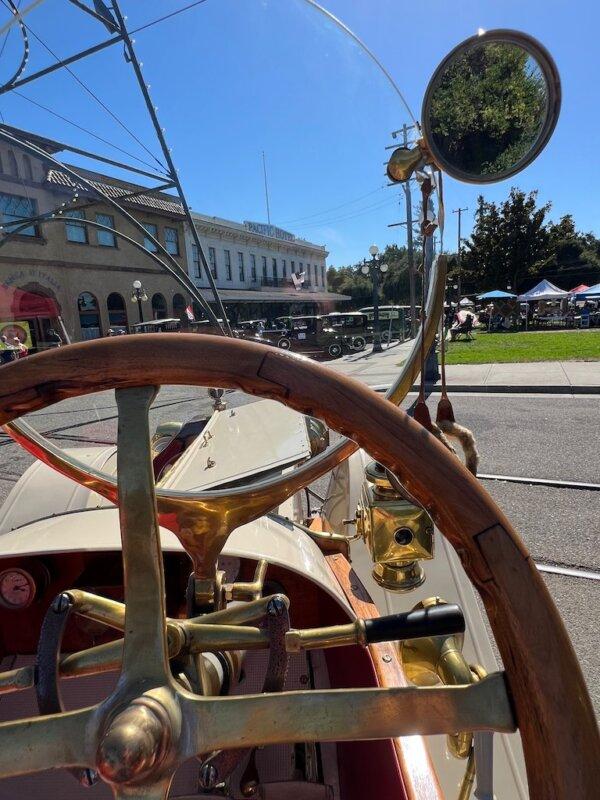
459, 255
409, 238
409, 245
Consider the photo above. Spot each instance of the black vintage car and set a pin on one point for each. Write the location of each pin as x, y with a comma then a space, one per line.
354, 327
305, 334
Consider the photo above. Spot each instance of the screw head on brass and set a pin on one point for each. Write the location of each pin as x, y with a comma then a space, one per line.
208, 776
61, 603
276, 606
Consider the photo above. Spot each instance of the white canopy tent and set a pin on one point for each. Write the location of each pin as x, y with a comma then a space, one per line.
543, 291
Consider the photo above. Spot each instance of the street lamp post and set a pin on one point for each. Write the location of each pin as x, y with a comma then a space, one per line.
137, 296
374, 268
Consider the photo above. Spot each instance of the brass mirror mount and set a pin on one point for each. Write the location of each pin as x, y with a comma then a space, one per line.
439, 659
404, 161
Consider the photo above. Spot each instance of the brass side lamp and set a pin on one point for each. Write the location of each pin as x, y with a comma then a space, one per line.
398, 533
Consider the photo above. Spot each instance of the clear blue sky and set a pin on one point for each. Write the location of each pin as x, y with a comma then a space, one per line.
234, 77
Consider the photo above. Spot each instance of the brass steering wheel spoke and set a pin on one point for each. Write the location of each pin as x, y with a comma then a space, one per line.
323, 715
145, 657
61, 740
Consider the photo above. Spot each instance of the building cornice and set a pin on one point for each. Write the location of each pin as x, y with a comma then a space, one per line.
232, 233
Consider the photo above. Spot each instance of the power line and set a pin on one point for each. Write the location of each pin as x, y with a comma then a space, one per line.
96, 98
334, 208
357, 213
167, 16
81, 128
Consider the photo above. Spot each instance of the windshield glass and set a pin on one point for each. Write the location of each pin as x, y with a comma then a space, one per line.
278, 139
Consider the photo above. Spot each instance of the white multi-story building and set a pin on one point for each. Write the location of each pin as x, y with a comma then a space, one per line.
260, 270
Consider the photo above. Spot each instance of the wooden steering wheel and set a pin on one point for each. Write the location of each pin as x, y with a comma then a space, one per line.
149, 725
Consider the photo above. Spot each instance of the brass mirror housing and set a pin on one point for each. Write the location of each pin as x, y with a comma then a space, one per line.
398, 533
405, 160
491, 106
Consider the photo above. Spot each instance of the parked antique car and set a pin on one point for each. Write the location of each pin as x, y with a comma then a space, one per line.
354, 327
306, 334
177, 618
394, 321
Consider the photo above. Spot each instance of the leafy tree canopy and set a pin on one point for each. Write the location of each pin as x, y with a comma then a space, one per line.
488, 108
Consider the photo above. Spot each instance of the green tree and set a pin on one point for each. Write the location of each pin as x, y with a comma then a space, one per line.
573, 257
394, 286
487, 109
508, 245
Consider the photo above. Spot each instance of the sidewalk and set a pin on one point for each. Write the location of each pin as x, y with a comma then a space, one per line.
551, 377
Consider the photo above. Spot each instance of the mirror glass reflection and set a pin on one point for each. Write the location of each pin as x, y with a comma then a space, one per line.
487, 109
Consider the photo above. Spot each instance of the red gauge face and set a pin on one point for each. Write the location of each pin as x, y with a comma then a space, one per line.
17, 588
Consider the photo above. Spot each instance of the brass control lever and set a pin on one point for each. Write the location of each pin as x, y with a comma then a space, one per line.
442, 620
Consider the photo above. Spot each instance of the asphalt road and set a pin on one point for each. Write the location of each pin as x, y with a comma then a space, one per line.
545, 437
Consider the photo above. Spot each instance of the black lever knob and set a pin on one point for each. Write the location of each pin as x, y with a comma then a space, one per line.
441, 620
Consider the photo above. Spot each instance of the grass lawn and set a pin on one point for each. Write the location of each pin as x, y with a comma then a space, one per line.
487, 348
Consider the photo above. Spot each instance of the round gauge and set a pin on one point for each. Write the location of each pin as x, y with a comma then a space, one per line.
17, 588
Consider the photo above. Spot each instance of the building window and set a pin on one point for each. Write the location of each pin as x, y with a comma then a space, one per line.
274, 265
253, 267
196, 261
284, 268
117, 311
159, 306
171, 242
12, 164
15, 208
212, 260
264, 266
76, 231
179, 306
227, 264
241, 267
106, 238
323, 275
27, 170
153, 231
89, 316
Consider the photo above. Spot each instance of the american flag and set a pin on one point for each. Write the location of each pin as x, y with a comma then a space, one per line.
298, 280
190, 313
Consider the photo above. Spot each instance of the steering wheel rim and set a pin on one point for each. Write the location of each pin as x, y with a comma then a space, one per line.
552, 707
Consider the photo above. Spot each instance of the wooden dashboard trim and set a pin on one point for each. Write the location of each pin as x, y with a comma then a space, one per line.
420, 779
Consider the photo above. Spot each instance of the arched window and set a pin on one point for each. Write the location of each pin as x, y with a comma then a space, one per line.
27, 170
159, 306
117, 312
179, 306
12, 164
89, 316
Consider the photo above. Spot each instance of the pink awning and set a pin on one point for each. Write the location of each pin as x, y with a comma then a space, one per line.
18, 304
581, 288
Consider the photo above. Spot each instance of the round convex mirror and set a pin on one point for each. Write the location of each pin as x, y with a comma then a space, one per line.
491, 106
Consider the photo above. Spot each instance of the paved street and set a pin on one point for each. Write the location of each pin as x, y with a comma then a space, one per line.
552, 437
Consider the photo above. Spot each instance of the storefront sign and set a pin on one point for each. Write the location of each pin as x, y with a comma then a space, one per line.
269, 230
18, 329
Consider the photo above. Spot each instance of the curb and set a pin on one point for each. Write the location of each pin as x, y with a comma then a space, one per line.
493, 389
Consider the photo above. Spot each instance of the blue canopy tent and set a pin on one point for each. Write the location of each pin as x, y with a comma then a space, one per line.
496, 294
